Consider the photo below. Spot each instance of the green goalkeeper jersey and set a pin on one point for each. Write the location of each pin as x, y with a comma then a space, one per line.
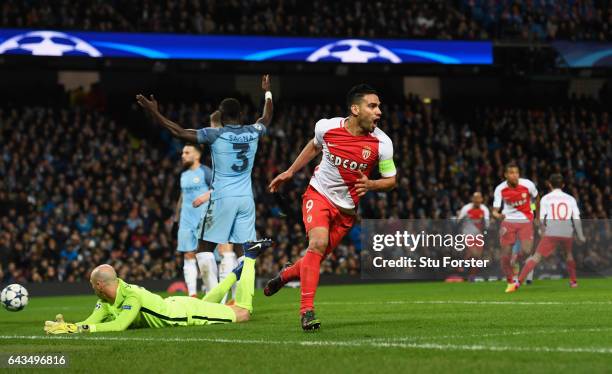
136, 307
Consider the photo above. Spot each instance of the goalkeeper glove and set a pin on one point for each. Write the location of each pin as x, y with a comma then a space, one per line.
59, 326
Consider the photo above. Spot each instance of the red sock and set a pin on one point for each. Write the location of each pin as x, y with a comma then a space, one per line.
292, 272
507, 268
309, 278
529, 266
571, 269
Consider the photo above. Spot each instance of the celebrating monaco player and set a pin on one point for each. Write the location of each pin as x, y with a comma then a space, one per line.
517, 218
474, 219
351, 147
559, 215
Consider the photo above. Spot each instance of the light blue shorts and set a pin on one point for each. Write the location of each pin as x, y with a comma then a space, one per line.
230, 220
187, 240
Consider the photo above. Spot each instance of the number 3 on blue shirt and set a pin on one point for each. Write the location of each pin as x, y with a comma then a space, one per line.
242, 149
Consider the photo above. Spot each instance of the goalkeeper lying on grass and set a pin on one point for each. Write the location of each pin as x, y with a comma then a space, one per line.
122, 306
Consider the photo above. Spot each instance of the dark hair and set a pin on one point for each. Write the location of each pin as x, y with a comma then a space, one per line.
511, 165
195, 146
230, 110
556, 180
357, 93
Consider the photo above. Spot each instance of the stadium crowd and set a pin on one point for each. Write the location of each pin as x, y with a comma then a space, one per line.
461, 19
542, 19
78, 189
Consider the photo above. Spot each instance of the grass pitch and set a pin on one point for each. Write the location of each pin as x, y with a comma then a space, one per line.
407, 327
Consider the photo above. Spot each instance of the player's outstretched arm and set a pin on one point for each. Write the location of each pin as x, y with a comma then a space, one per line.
268, 110
309, 152
129, 312
151, 107
59, 326
99, 314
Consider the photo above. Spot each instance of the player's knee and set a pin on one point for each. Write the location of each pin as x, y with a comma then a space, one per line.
318, 244
226, 247
190, 255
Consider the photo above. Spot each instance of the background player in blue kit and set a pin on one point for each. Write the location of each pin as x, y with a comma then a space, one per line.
193, 202
230, 217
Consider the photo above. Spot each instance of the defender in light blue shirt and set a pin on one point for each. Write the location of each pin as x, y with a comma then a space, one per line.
195, 194
231, 214
195, 182
230, 217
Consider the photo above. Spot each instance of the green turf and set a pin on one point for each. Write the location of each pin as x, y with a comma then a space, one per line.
408, 327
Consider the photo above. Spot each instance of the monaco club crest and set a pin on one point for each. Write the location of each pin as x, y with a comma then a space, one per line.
366, 152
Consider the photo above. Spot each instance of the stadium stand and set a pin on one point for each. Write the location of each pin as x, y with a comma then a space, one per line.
542, 19
462, 19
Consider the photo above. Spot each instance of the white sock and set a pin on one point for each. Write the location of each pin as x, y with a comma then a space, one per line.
228, 263
208, 269
190, 272
530, 276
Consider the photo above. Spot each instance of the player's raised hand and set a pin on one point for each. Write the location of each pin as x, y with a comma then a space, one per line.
150, 105
215, 119
280, 180
265, 82
362, 186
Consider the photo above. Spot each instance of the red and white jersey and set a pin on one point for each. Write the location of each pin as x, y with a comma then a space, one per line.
557, 210
343, 155
476, 219
516, 200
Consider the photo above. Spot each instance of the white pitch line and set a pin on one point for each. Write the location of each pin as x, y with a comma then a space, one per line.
511, 333
465, 302
357, 343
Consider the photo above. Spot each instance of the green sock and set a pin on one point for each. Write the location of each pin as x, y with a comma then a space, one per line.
246, 287
216, 294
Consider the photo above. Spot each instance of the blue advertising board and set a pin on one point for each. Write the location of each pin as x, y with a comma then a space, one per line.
242, 48
585, 54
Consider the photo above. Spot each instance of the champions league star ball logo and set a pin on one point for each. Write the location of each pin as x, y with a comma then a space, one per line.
354, 50
48, 43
